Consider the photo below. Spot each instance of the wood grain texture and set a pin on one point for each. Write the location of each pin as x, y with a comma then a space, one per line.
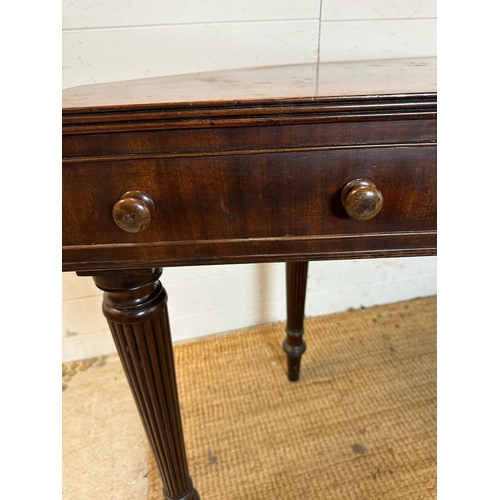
362, 199
248, 165
257, 178
134, 211
238, 207
280, 130
293, 82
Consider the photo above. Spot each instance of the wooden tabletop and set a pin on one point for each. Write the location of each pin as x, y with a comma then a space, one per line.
277, 83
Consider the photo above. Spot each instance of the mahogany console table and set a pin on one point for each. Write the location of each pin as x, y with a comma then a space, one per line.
291, 163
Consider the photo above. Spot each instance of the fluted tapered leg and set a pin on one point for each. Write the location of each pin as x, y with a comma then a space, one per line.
135, 305
294, 345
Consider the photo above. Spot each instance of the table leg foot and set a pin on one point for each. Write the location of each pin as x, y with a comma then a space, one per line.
135, 305
192, 494
294, 344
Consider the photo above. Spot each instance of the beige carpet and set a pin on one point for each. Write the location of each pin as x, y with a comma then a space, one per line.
360, 424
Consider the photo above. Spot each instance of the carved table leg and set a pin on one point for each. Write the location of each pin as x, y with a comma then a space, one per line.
294, 345
135, 305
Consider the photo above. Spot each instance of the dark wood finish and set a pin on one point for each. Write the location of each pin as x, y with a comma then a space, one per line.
233, 167
245, 208
362, 199
293, 344
172, 138
248, 165
135, 305
133, 211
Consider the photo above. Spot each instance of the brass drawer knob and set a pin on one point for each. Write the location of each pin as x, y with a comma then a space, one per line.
133, 211
362, 199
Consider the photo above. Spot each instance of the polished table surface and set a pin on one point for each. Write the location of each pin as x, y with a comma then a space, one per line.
290, 163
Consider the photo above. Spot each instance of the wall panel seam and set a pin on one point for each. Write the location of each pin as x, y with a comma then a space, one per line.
377, 20
201, 23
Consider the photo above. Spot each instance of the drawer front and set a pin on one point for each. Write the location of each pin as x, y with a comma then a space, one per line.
284, 203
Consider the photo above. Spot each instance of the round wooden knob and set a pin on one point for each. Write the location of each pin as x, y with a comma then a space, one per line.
361, 199
133, 211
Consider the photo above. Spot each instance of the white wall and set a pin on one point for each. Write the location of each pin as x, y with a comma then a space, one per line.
106, 40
